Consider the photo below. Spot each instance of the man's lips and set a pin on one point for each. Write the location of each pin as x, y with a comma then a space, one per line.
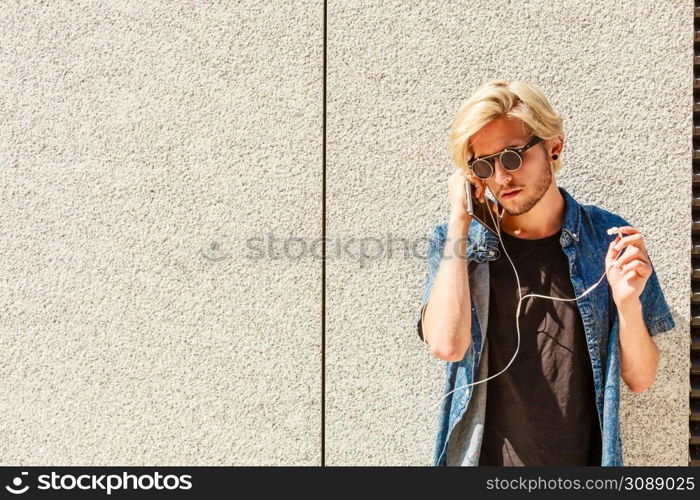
511, 194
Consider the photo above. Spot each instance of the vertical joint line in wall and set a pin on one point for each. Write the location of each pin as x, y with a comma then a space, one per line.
323, 253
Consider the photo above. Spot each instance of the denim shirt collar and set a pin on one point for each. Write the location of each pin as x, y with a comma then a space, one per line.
484, 244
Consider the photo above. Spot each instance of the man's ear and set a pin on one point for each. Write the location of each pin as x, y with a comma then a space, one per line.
557, 146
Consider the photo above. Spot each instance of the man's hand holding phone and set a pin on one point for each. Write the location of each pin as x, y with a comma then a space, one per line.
457, 187
477, 204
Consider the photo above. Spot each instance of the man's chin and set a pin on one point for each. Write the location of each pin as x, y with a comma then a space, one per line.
518, 209
514, 213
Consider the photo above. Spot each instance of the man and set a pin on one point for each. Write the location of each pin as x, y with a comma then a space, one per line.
557, 403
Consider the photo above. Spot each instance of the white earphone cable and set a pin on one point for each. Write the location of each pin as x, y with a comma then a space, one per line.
517, 312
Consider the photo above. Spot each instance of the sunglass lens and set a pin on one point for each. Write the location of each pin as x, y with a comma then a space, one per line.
510, 160
482, 169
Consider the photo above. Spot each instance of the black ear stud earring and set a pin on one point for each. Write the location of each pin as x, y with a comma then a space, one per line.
555, 156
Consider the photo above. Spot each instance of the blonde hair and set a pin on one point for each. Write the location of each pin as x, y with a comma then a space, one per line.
499, 98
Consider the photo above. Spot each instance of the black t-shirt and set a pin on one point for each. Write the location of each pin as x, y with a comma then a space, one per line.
541, 410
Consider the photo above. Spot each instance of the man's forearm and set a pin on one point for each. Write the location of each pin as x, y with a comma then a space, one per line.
639, 356
447, 318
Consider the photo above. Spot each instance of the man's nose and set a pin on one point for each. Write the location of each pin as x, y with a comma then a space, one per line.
501, 175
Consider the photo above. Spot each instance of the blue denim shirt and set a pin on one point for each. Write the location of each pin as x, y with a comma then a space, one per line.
585, 242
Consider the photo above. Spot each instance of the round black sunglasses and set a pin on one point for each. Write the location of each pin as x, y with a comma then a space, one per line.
510, 158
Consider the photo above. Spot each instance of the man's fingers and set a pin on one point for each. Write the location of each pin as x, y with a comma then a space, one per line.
628, 230
632, 253
612, 254
629, 240
642, 268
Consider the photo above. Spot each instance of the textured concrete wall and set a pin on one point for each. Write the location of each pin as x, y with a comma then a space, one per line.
142, 144
144, 147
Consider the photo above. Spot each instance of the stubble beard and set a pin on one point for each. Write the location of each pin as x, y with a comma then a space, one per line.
540, 189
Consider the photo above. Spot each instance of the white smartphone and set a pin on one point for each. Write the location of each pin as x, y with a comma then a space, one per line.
479, 210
